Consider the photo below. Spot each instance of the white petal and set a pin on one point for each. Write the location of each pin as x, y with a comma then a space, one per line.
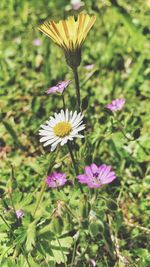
45, 127
56, 142
73, 117
78, 129
67, 115
49, 142
75, 125
80, 136
45, 138
62, 115
53, 148
70, 115
44, 132
52, 123
78, 119
64, 141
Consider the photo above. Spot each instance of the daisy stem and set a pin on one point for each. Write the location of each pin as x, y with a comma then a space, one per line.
73, 162
77, 86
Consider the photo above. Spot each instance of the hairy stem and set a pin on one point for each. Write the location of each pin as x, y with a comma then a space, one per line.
77, 86
74, 163
63, 100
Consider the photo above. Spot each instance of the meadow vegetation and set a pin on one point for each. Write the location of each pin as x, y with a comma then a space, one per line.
74, 224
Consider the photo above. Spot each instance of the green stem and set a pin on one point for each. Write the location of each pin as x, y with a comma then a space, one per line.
73, 162
73, 256
77, 86
5, 221
63, 100
43, 187
108, 247
72, 158
120, 126
40, 197
70, 212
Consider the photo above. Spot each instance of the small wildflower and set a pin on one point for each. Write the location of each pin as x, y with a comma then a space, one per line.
96, 176
19, 213
69, 34
90, 66
76, 4
116, 104
56, 179
59, 87
37, 42
63, 127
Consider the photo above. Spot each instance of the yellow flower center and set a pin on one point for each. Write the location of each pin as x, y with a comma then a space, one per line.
62, 129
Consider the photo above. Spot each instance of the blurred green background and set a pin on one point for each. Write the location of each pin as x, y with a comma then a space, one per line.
118, 46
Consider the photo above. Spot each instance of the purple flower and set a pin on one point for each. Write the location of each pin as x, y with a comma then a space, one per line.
76, 4
59, 87
19, 213
56, 179
116, 104
96, 176
37, 42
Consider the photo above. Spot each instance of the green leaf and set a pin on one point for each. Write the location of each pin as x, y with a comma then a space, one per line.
13, 134
31, 236
66, 244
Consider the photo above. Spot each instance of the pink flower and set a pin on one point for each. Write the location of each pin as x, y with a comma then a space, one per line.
56, 179
37, 42
19, 213
59, 87
96, 176
116, 104
76, 4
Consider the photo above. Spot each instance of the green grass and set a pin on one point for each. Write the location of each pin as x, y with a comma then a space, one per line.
118, 45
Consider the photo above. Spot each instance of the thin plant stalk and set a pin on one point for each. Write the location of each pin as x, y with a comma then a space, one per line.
73, 162
5, 221
43, 189
77, 86
63, 100
40, 197
73, 256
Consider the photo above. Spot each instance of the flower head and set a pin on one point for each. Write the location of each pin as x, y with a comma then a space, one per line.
69, 34
96, 176
116, 104
56, 179
76, 4
61, 128
19, 213
37, 42
58, 88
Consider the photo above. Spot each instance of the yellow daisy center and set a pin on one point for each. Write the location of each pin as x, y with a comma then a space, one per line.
62, 129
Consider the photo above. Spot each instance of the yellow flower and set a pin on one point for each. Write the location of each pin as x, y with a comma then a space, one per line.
69, 34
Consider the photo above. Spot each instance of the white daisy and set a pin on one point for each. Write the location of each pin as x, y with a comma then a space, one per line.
61, 128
